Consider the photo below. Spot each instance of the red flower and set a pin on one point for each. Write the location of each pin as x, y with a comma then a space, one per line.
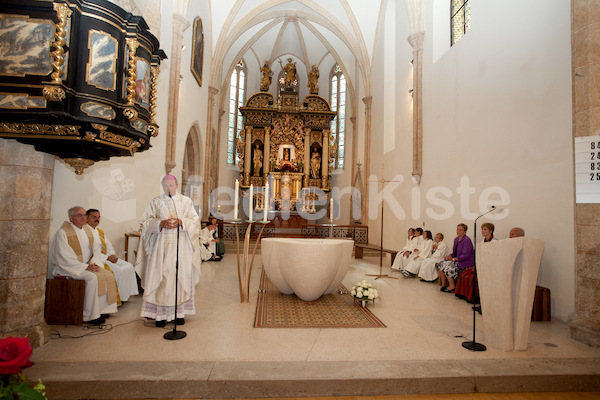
14, 355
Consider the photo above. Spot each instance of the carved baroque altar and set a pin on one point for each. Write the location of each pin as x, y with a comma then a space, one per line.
288, 142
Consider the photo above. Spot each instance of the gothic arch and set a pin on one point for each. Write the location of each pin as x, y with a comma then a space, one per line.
191, 173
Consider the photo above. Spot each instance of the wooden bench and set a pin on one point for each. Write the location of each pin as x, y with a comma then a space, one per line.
359, 248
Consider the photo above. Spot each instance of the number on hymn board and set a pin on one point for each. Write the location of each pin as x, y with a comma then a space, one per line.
595, 145
595, 177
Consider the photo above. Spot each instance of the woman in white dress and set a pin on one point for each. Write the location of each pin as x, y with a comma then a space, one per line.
428, 271
424, 252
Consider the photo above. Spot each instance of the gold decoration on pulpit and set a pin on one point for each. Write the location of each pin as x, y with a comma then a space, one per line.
54, 92
132, 45
130, 113
13, 129
79, 164
152, 130
154, 70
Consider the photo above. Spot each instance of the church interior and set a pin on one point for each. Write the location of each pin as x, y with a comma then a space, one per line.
330, 116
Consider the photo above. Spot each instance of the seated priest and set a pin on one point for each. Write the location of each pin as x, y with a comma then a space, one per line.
123, 271
76, 254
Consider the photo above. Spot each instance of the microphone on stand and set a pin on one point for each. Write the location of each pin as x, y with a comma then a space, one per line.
473, 345
174, 334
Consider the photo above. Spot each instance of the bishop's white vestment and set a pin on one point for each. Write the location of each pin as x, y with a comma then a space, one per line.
156, 258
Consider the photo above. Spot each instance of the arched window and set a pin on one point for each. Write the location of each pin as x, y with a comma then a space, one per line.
338, 103
236, 100
460, 19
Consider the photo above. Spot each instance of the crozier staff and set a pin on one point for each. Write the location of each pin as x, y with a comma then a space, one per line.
157, 253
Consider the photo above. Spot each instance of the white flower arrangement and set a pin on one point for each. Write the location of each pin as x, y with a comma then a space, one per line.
364, 291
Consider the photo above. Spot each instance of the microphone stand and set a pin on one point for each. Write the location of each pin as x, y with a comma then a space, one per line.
174, 334
474, 346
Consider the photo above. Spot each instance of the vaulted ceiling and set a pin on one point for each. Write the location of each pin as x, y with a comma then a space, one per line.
310, 32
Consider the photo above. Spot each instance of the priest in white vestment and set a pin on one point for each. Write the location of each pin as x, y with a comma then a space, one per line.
75, 253
164, 217
123, 270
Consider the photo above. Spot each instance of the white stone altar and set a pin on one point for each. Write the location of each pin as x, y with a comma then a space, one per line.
309, 268
507, 272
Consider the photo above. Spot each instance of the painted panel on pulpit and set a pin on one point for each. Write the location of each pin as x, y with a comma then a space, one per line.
102, 63
142, 83
25, 46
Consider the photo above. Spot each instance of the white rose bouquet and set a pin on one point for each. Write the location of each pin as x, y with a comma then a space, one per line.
364, 291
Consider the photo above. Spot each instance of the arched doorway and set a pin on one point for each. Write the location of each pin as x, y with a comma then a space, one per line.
191, 175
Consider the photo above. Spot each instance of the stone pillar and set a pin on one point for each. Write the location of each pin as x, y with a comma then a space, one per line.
365, 199
307, 156
25, 193
209, 157
416, 41
325, 159
247, 155
267, 153
180, 24
585, 31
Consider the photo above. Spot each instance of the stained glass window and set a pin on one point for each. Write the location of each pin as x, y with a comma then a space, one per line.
460, 19
236, 100
338, 103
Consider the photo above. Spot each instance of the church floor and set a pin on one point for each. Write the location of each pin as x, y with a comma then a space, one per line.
224, 357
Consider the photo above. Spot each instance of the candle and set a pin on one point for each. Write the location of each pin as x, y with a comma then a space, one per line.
251, 203
236, 199
331, 209
266, 201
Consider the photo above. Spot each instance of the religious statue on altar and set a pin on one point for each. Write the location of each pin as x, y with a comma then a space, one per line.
257, 160
267, 76
315, 164
290, 72
286, 159
313, 80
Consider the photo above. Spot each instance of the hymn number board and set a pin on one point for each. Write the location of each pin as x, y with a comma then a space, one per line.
587, 169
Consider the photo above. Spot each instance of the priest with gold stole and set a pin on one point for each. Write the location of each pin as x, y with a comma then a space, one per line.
164, 217
75, 253
123, 270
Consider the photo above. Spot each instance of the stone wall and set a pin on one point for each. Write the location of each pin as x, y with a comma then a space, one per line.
25, 196
585, 321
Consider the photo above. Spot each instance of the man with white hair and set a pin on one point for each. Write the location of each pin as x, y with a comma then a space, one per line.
75, 253
169, 219
123, 271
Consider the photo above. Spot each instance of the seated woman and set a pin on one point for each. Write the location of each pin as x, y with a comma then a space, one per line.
462, 257
414, 265
428, 271
467, 280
